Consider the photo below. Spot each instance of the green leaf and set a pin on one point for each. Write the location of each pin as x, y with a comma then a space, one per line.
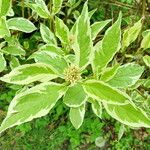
126, 76
4, 31
4, 7
91, 13
56, 6
128, 115
82, 45
104, 93
62, 31
29, 73
121, 131
98, 27
77, 116
56, 62
109, 72
21, 24
32, 103
108, 47
131, 34
2, 62
40, 8
14, 62
14, 50
47, 35
147, 83
53, 49
75, 96
146, 60
97, 108
145, 44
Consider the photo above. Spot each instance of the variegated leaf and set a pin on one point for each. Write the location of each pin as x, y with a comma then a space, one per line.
32, 103
29, 73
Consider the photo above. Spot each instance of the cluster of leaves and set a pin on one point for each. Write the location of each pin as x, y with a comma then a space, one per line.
71, 66
56, 132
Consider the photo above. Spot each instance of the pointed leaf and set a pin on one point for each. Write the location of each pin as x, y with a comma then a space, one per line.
97, 108
146, 60
77, 116
62, 31
109, 46
145, 44
82, 45
126, 76
47, 35
56, 6
29, 73
4, 31
128, 115
21, 24
32, 103
75, 96
98, 27
103, 92
2, 62
131, 34
14, 50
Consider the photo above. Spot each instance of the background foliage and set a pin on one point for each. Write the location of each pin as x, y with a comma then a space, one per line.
55, 131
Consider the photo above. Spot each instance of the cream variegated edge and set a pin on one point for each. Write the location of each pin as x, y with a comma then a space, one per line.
136, 124
29, 78
76, 47
128, 98
11, 25
43, 112
56, 6
76, 116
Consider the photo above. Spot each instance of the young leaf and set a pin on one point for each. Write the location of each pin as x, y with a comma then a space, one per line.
40, 8
97, 108
126, 76
77, 116
21, 24
14, 50
146, 60
75, 96
56, 62
47, 35
2, 62
108, 47
29, 73
131, 34
56, 6
121, 131
4, 31
4, 7
128, 115
32, 103
145, 44
104, 93
82, 45
98, 27
62, 31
